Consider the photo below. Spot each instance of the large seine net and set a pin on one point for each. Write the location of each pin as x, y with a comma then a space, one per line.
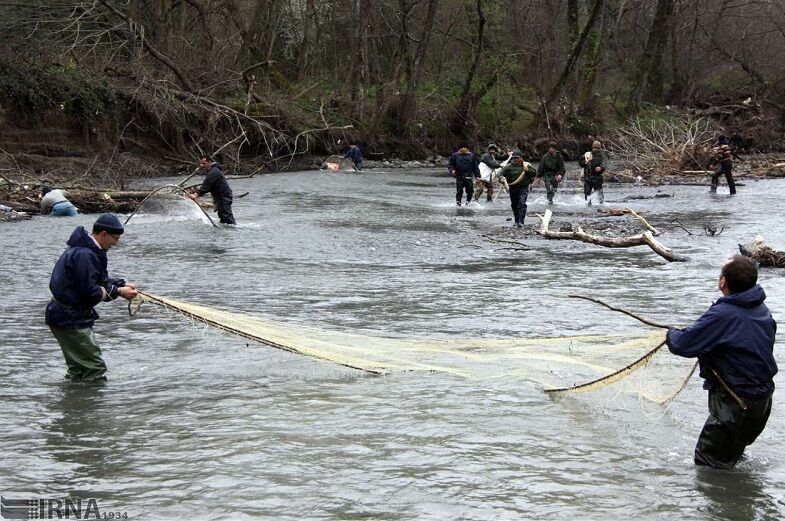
169, 203
638, 366
338, 164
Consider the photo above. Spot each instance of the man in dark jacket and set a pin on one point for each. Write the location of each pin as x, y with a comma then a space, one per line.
552, 170
356, 155
518, 176
464, 167
734, 344
593, 164
215, 183
722, 164
79, 281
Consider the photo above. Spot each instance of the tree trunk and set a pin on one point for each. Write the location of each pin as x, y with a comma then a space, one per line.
576, 52
408, 104
648, 79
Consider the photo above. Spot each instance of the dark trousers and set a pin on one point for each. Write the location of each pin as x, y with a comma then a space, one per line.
591, 184
715, 179
518, 203
463, 184
224, 208
729, 429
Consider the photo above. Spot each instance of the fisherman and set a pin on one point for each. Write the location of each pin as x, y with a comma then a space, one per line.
492, 159
552, 170
517, 177
356, 155
215, 183
734, 344
56, 203
722, 165
464, 167
593, 164
80, 281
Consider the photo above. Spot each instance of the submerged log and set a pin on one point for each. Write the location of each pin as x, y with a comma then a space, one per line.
643, 239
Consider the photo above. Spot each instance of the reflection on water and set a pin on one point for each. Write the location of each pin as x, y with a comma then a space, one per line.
200, 424
738, 494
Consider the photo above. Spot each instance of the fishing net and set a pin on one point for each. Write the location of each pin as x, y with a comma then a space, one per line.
555, 364
338, 164
168, 203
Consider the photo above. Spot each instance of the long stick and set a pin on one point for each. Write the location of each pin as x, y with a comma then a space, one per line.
620, 310
609, 378
624, 371
158, 190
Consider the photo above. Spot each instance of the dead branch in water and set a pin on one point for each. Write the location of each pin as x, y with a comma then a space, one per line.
615, 212
644, 239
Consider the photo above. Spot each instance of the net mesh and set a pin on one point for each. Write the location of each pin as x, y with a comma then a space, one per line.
338, 164
168, 203
634, 363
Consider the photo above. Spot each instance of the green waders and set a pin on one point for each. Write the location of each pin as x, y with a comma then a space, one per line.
550, 186
82, 354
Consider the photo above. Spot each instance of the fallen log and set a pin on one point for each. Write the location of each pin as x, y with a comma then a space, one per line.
643, 239
617, 212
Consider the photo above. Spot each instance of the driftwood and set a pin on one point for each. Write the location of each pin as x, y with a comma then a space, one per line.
643, 239
616, 212
765, 256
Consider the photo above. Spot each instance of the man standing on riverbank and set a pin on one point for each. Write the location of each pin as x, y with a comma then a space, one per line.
518, 176
79, 281
215, 183
734, 343
464, 167
552, 170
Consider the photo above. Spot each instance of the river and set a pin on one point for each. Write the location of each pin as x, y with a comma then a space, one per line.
195, 424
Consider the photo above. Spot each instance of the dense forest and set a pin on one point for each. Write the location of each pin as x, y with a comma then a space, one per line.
266, 81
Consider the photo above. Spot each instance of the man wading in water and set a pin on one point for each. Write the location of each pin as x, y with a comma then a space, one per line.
518, 176
464, 167
80, 281
552, 170
734, 343
215, 183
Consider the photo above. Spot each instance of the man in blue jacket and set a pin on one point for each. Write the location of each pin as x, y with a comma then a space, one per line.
356, 155
734, 344
80, 280
215, 183
464, 167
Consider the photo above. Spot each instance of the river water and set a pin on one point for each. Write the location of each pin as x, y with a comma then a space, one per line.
195, 424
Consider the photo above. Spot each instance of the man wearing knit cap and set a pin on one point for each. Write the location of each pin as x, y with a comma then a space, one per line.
79, 281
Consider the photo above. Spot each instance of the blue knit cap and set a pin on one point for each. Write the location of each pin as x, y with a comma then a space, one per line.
107, 222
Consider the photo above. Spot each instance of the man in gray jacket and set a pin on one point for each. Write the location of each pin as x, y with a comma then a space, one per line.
56, 203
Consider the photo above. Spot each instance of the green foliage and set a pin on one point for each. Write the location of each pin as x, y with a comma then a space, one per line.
35, 90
